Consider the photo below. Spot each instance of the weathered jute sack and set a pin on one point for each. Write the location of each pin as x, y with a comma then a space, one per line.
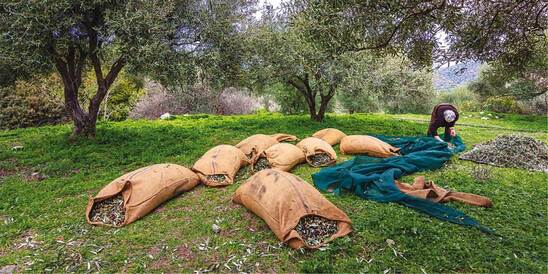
312, 146
364, 144
281, 199
220, 161
144, 189
282, 156
428, 190
256, 144
332, 136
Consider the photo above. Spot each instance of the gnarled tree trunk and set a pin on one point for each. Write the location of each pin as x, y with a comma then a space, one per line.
70, 65
302, 84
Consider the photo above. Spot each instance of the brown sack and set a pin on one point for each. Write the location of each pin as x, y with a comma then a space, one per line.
332, 136
255, 144
281, 199
282, 137
282, 156
364, 144
428, 190
144, 189
312, 146
222, 160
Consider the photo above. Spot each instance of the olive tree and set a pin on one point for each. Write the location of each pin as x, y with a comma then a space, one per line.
70, 35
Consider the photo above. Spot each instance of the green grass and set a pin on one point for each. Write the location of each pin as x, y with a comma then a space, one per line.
49, 214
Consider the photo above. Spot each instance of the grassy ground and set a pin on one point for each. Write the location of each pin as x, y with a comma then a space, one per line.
42, 225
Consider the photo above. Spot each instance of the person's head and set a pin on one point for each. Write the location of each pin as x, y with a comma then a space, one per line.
449, 116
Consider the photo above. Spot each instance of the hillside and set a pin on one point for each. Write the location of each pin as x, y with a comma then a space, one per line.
446, 78
45, 184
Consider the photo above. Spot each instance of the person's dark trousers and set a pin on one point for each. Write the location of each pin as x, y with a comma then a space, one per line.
447, 136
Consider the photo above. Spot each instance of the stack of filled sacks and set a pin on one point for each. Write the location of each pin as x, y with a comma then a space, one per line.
295, 211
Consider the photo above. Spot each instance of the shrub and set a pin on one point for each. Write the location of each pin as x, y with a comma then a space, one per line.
233, 101
462, 97
121, 97
35, 102
198, 99
503, 104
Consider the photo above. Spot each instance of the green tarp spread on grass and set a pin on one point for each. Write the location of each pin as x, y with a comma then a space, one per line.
373, 178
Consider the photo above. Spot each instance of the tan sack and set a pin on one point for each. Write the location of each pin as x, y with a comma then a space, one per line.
282, 137
144, 189
281, 199
428, 190
312, 146
332, 136
220, 161
256, 144
282, 156
364, 144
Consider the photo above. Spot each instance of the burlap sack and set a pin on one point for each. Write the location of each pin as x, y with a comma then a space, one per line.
371, 146
311, 146
428, 190
254, 145
221, 160
282, 156
332, 136
282, 137
281, 199
145, 188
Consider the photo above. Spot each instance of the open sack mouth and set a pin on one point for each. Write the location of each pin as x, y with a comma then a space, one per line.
217, 178
320, 159
260, 164
110, 211
316, 230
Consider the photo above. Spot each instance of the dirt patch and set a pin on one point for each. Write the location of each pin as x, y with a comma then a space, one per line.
8, 269
27, 240
154, 251
161, 263
184, 252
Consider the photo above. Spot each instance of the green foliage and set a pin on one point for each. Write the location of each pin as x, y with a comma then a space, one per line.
503, 104
288, 99
171, 239
37, 101
121, 97
473, 28
387, 84
462, 97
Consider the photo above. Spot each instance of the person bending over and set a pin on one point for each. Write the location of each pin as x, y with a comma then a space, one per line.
443, 115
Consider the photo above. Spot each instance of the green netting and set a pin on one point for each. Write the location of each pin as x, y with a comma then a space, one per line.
373, 178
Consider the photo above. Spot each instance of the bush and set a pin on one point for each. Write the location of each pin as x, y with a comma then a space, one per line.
233, 101
462, 97
35, 102
288, 99
121, 97
504, 104
198, 99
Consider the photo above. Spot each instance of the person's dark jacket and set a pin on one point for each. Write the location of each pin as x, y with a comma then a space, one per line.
437, 120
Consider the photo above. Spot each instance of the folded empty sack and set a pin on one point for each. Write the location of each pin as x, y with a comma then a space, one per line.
256, 144
282, 156
332, 136
141, 191
368, 145
281, 199
219, 165
428, 190
314, 147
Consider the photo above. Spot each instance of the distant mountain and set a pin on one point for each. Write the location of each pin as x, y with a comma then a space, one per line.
446, 78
